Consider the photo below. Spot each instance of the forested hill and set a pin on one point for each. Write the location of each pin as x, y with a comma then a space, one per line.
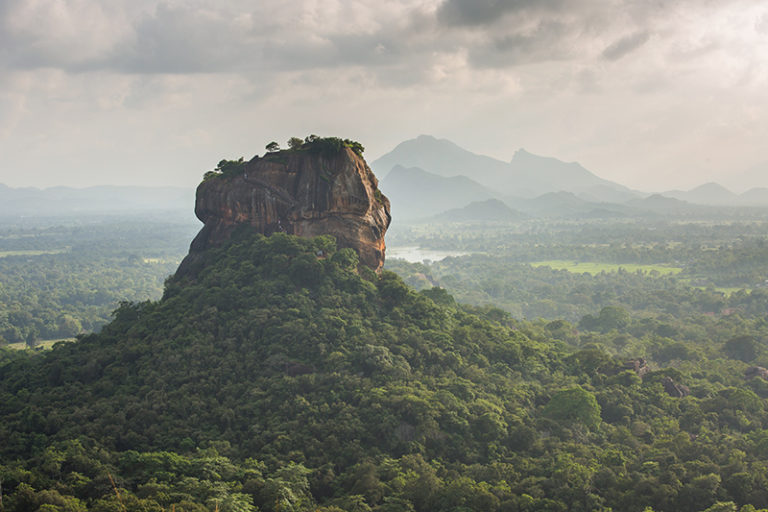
283, 377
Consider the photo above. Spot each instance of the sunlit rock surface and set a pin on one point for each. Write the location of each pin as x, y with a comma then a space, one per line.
298, 192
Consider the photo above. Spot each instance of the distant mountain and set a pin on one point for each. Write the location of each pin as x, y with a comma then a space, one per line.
566, 204
662, 205
657, 201
754, 197
441, 157
539, 175
31, 202
709, 193
415, 193
608, 194
714, 194
491, 210
527, 175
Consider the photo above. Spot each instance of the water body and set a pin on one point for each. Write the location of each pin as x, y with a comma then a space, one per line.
414, 254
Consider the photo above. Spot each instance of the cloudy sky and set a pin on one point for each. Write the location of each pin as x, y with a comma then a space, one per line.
654, 94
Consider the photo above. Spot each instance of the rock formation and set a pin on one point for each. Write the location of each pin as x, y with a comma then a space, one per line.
310, 191
756, 371
639, 366
674, 389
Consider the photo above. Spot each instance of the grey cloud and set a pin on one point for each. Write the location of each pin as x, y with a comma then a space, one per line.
198, 37
167, 38
518, 32
625, 45
546, 43
59, 35
183, 40
514, 32
484, 12
369, 50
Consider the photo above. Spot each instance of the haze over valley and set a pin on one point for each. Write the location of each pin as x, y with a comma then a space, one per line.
426, 177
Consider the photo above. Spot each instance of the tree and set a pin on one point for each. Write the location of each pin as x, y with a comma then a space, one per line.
575, 404
288, 489
230, 167
743, 348
295, 143
272, 147
613, 317
354, 146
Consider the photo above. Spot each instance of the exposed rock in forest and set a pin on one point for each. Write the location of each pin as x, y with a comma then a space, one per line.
317, 189
639, 366
674, 389
756, 371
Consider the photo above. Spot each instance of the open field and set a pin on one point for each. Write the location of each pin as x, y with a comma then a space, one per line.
4, 254
42, 345
725, 290
591, 267
160, 261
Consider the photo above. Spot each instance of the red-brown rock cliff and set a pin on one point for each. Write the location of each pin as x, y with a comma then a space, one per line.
299, 192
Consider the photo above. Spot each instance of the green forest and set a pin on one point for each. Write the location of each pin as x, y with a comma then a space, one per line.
681, 267
279, 376
60, 279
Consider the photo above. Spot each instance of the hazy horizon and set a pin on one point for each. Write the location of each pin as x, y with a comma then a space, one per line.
651, 96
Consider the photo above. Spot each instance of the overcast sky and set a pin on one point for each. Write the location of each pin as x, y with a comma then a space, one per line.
654, 94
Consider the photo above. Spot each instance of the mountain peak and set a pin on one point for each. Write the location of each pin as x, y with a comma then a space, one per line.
521, 153
709, 193
526, 175
441, 157
711, 186
430, 142
490, 210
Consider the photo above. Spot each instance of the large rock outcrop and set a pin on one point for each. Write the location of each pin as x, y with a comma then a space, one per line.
305, 192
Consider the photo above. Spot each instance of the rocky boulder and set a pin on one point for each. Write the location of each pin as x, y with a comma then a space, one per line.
639, 366
756, 371
310, 191
674, 389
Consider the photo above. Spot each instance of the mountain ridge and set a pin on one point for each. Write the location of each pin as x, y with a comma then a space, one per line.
490, 210
526, 175
416, 193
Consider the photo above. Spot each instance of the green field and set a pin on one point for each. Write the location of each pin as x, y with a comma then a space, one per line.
4, 254
591, 267
43, 345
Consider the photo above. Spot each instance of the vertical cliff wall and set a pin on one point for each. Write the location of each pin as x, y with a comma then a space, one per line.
305, 192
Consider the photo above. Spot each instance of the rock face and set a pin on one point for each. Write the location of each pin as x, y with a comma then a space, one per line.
298, 192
